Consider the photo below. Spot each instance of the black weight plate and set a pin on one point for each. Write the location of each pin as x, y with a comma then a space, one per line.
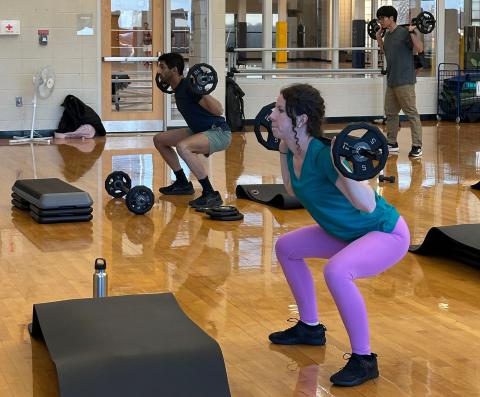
236, 217
140, 199
262, 123
372, 28
362, 167
163, 85
226, 210
117, 184
203, 78
425, 22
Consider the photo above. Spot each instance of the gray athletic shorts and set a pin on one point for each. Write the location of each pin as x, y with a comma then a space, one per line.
218, 139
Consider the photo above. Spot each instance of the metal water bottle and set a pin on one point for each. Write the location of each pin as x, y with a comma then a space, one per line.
100, 279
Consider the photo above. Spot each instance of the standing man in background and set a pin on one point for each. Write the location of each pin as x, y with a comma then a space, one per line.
398, 45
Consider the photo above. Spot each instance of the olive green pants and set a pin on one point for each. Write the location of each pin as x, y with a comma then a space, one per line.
402, 98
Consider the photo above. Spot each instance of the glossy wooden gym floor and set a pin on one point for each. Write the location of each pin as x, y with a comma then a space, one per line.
424, 312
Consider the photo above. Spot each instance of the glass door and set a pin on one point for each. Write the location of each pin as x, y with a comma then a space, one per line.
187, 23
131, 41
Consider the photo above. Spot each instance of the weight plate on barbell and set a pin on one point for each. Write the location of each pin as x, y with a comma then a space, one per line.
360, 157
425, 22
372, 28
140, 199
117, 183
203, 78
262, 125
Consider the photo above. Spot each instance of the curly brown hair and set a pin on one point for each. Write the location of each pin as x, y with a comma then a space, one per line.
305, 99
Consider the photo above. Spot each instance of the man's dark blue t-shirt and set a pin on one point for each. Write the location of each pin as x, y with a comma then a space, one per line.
198, 118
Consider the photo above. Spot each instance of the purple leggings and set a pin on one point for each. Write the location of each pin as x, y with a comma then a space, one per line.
365, 257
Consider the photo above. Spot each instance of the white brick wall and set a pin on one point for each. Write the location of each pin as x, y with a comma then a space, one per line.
73, 57
218, 46
343, 96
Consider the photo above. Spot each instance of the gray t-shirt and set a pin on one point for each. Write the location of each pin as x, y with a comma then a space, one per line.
398, 48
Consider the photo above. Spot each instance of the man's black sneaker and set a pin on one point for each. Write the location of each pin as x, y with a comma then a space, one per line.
178, 189
415, 152
300, 334
393, 147
209, 200
358, 370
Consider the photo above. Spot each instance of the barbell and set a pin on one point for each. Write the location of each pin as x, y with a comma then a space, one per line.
356, 157
424, 22
202, 77
139, 199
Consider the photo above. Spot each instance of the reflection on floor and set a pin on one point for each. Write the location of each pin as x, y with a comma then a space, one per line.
423, 312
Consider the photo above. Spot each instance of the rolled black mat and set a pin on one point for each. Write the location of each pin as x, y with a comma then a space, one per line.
274, 195
136, 345
476, 186
461, 242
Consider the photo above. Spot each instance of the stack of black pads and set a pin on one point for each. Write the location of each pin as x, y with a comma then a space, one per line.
52, 200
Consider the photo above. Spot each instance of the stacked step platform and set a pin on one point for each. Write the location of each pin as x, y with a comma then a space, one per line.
52, 200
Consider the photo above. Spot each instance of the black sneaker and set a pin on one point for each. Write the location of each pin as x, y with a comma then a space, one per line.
209, 200
300, 334
178, 188
358, 370
393, 147
415, 152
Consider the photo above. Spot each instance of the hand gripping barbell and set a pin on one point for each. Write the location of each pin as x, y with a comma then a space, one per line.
357, 158
139, 200
202, 77
424, 22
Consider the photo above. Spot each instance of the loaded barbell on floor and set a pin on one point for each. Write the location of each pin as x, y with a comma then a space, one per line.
424, 22
202, 77
139, 199
356, 157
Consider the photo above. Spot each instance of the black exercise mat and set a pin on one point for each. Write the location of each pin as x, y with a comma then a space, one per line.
51, 193
460, 242
476, 186
124, 346
61, 218
274, 195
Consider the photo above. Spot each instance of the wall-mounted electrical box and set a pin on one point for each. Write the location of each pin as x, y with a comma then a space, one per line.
9, 27
43, 36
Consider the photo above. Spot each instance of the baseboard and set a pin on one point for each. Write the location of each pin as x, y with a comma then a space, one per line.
25, 133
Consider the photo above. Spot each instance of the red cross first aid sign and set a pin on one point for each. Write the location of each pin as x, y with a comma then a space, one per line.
8, 27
